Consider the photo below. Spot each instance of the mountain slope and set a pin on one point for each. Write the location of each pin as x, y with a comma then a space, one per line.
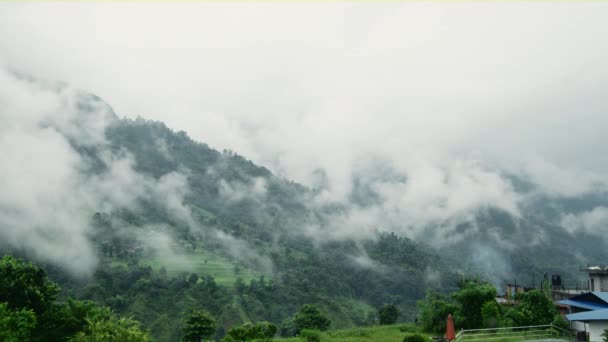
152, 223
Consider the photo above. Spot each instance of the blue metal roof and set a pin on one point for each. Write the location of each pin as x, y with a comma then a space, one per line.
595, 315
596, 296
583, 304
601, 295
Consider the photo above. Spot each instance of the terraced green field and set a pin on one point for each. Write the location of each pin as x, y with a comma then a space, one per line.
201, 263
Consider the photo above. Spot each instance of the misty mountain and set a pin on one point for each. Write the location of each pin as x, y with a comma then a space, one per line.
127, 211
257, 206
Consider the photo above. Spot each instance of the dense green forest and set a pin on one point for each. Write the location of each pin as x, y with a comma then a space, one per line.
31, 311
236, 245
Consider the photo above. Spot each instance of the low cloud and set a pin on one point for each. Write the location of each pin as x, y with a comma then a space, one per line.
594, 222
51, 188
236, 191
242, 251
427, 202
413, 117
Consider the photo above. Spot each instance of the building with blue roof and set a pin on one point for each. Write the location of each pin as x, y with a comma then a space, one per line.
587, 316
583, 305
587, 301
588, 312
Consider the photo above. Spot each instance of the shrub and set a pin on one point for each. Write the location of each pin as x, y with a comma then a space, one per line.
434, 310
560, 322
388, 314
490, 314
414, 338
288, 328
311, 335
535, 308
240, 333
248, 331
310, 317
266, 329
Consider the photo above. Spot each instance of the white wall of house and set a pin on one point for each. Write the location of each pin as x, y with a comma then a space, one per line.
598, 282
578, 326
596, 329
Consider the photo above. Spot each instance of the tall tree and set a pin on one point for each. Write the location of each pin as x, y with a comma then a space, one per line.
24, 285
471, 297
534, 308
310, 317
199, 325
111, 329
434, 310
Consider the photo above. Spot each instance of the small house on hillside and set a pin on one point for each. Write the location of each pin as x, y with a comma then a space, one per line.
588, 314
595, 322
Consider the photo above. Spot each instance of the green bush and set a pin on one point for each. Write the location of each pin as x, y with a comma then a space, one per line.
388, 314
434, 310
491, 314
239, 333
311, 335
414, 338
534, 308
560, 322
265, 329
248, 331
310, 317
288, 328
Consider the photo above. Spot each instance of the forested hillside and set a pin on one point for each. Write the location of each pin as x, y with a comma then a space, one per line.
239, 251
157, 224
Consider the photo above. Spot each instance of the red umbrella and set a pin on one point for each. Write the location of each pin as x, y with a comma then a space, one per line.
450, 334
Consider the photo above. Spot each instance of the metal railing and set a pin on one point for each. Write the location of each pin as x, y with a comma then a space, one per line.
513, 334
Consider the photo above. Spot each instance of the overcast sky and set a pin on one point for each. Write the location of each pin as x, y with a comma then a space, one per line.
298, 87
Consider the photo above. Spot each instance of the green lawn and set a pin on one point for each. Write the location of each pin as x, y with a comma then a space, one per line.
387, 333
199, 262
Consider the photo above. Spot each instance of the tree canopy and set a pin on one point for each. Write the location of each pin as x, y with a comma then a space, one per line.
111, 329
199, 325
29, 311
16, 325
534, 308
471, 296
24, 285
388, 314
310, 317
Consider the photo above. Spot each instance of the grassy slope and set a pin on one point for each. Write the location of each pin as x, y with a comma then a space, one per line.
386, 333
